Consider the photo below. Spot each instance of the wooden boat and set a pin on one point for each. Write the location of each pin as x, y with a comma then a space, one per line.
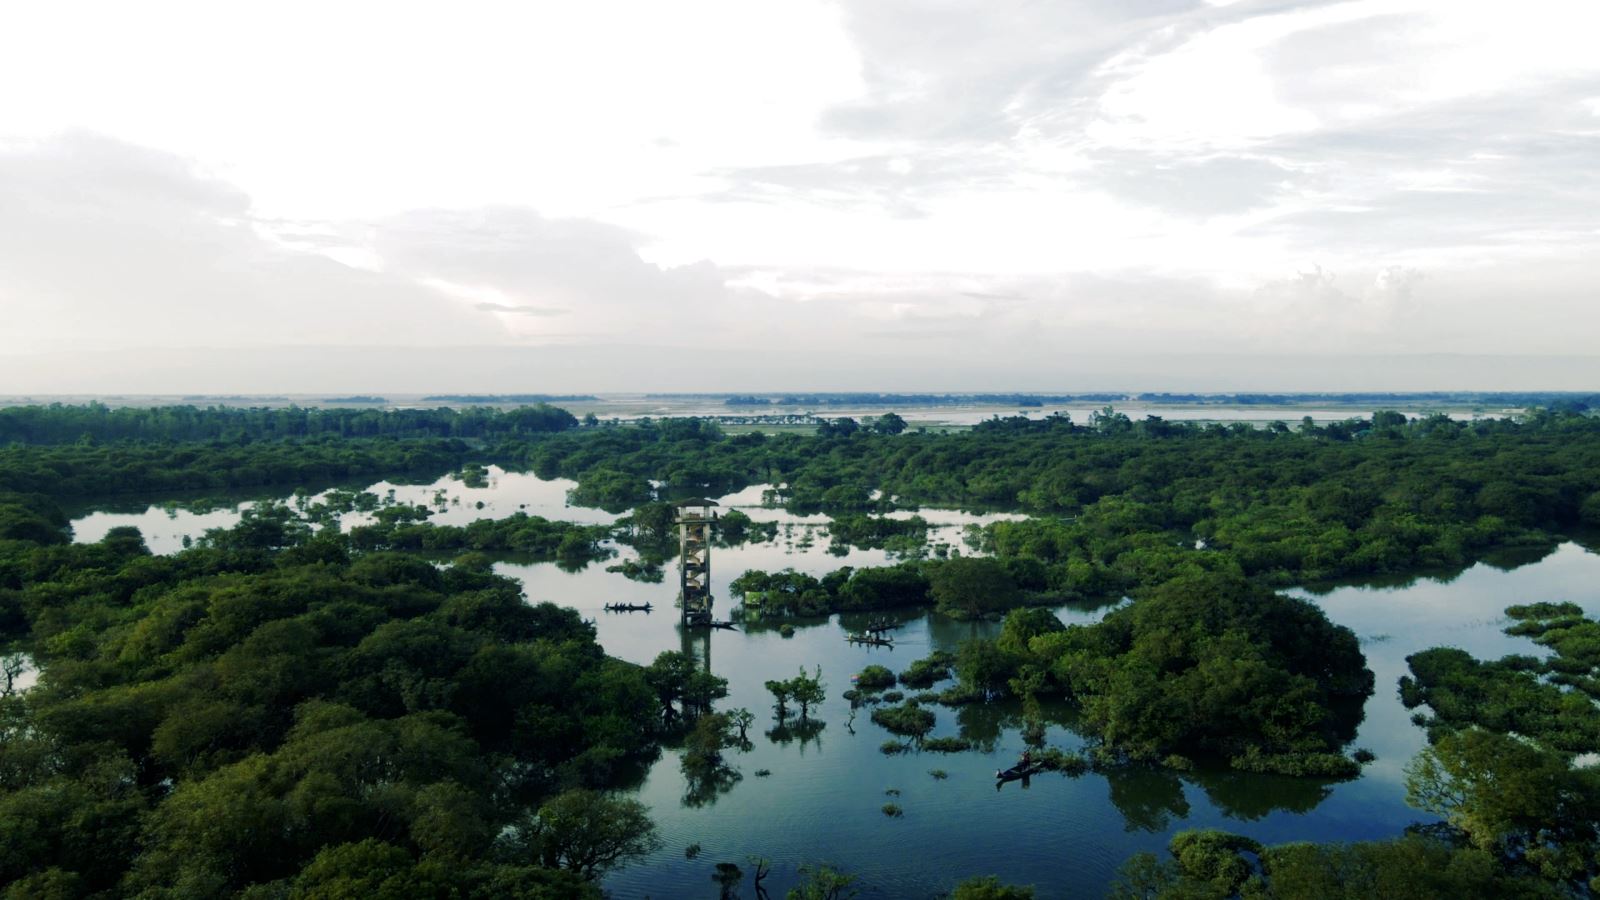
627, 607
869, 638
726, 626
1020, 770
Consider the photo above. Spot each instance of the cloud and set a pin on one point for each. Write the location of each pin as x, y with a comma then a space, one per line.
580, 279
521, 310
111, 245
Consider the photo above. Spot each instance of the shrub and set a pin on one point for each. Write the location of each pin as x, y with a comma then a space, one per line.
874, 678
908, 719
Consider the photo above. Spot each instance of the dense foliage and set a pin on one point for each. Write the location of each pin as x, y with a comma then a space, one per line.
1214, 865
1506, 739
274, 711
78, 470
60, 424
1205, 665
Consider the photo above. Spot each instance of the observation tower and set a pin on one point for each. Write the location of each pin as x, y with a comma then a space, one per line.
696, 521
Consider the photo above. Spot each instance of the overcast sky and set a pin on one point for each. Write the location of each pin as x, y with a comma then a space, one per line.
884, 194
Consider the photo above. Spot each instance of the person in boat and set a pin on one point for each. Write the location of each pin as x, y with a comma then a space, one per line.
1027, 759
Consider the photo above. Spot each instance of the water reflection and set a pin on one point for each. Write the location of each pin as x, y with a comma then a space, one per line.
982, 724
703, 789
798, 731
1248, 797
1149, 799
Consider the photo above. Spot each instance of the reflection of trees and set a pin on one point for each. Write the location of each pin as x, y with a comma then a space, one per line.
1150, 799
1147, 798
983, 723
804, 731
945, 633
702, 788
1249, 796
626, 773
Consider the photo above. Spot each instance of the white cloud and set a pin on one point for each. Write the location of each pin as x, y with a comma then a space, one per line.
109, 245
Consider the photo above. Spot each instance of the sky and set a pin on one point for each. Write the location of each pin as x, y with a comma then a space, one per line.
727, 196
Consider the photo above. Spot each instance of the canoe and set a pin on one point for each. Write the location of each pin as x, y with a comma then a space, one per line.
1019, 771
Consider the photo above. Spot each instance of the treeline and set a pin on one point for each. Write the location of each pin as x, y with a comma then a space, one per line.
1574, 400
80, 470
60, 424
274, 713
510, 398
851, 399
1578, 400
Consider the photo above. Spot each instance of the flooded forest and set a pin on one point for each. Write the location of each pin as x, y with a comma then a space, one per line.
341, 652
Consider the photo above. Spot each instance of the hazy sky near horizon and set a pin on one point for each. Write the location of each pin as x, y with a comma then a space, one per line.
1262, 194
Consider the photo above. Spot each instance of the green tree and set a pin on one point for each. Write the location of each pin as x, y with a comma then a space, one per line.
822, 882
990, 888
972, 586
590, 833
808, 691
782, 690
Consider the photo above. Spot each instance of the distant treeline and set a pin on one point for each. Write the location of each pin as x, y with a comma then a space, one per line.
1578, 400
59, 424
509, 398
356, 398
907, 399
74, 470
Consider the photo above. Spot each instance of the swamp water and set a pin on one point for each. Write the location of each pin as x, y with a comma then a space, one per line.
822, 801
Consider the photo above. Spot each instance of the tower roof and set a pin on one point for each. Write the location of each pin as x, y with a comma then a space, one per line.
695, 501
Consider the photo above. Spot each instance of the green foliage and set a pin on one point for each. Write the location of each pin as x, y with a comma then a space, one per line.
1512, 798
984, 667
805, 690
989, 888
1207, 664
1214, 864
879, 532
874, 678
822, 882
531, 536
1549, 700
791, 593
908, 720
972, 587
275, 708
928, 671
588, 833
